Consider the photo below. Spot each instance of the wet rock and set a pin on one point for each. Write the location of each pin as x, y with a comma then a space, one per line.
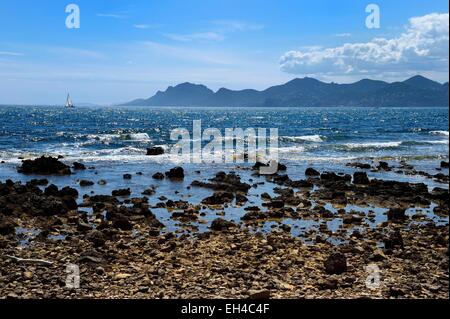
311, 172
218, 198
383, 166
68, 192
158, 176
39, 182
86, 183
149, 192
44, 166
121, 192
175, 173
359, 165
336, 263
444, 164
333, 177
220, 224
127, 176
396, 213
154, 151
78, 166
360, 178
51, 190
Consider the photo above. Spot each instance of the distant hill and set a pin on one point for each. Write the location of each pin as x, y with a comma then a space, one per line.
308, 92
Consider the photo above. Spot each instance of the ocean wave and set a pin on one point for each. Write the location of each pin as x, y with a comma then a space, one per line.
304, 138
441, 133
371, 145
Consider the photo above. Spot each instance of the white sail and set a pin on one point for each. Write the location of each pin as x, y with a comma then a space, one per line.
69, 102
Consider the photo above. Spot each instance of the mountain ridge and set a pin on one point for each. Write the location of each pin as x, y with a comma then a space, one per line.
307, 92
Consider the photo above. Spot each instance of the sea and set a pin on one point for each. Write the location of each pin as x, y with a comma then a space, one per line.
112, 141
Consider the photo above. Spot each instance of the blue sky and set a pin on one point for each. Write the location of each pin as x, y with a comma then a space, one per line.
130, 49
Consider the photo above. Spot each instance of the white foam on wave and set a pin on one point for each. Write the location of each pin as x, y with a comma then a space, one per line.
305, 138
376, 145
441, 133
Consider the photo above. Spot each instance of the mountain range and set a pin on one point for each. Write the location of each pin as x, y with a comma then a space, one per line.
308, 92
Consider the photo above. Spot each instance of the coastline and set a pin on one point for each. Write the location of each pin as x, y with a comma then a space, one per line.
281, 248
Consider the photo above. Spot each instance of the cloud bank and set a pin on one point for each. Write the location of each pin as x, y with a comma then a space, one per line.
423, 47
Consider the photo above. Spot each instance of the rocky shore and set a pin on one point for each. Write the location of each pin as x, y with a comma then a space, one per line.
396, 248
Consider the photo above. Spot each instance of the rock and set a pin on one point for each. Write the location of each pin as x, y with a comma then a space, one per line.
218, 198
7, 227
97, 238
393, 239
360, 178
311, 172
149, 192
396, 214
127, 176
220, 224
336, 263
258, 294
121, 192
39, 182
158, 176
444, 164
83, 227
359, 165
86, 183
383, 166
78, 166
44, 166
120, 221
154, 151
378, 255
330, 283
68, 192
175, 173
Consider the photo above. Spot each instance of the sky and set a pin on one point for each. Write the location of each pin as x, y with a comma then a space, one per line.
124, 50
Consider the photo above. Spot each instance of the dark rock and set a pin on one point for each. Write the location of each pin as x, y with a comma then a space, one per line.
175, 173
311, 172
51, 190
220, 224
336, 263
218, 198
7, 227
396, 213
120, 221
86, 183
158, 176
44, 166
444, 164
383, 166
393, 239
127, 176
360, 178
121, 192
39, 182
97, 238
78, 166
154, 151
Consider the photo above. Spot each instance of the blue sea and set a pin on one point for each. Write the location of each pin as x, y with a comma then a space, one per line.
113, 141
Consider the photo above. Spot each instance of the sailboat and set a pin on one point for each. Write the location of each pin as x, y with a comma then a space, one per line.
69, 102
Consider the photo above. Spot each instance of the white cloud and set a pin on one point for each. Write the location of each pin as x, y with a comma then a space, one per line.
423, 47
112, 15
342, 35
8, 53
202, 36
234, 25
